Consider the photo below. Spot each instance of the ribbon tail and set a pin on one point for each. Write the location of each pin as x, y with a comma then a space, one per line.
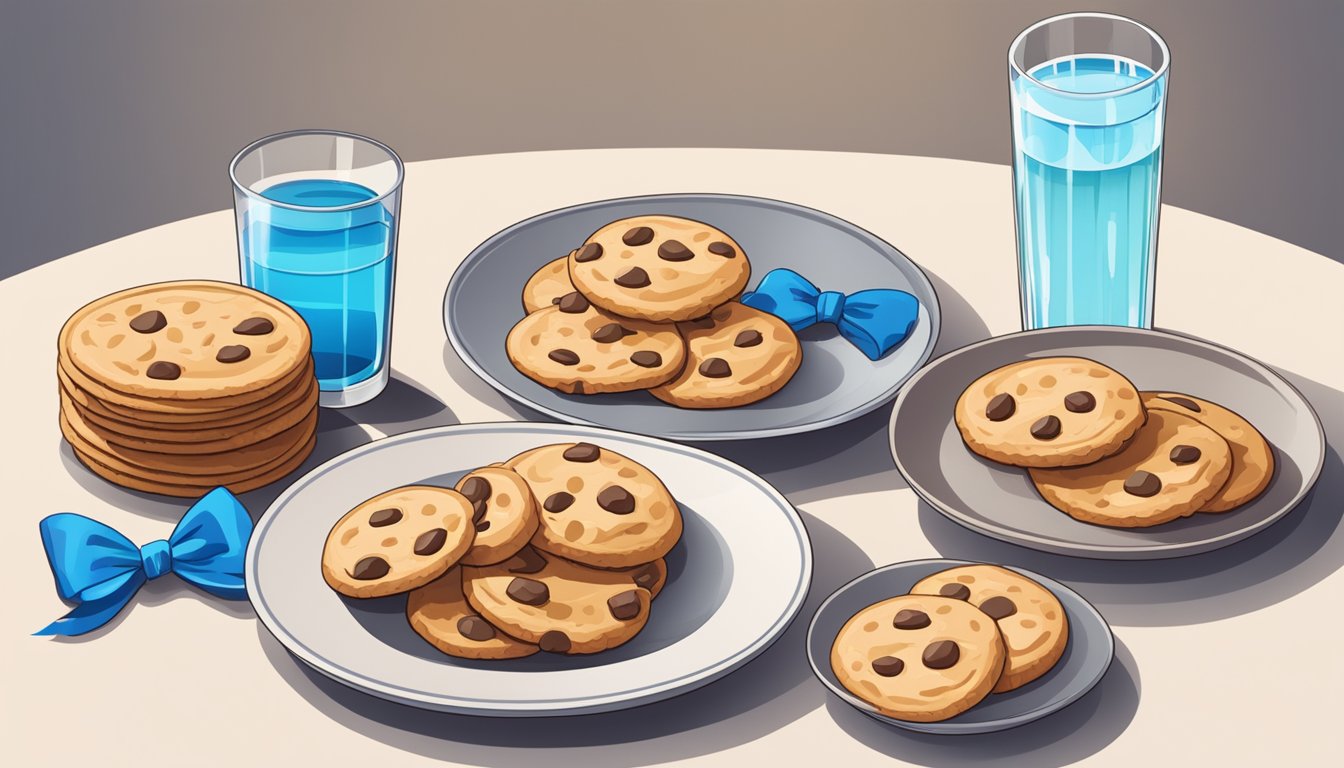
93, 614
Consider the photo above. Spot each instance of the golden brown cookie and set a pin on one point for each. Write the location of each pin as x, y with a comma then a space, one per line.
397, 541
735, 355
503, 512
1033, 624
439, 612
1049, 412
193, 486
919, 658
545, 287
1172, 467
1252, 457
659, 268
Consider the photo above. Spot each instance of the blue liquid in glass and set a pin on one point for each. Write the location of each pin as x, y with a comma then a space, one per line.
333, 267
1087, 175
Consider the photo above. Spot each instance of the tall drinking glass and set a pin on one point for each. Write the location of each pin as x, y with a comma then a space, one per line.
317, 228
1088, 93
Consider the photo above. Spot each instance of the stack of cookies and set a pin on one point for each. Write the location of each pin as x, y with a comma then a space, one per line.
649, 302
958, 636
176, 388
1105, 453
558, 549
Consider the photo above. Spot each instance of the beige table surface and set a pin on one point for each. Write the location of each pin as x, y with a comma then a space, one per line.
1229, 658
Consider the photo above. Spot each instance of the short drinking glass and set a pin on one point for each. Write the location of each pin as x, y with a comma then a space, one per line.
317, 228
1088, 93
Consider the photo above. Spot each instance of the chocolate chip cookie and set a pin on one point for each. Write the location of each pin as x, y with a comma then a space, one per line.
1033, 624
561, 606
397, 541
599, 507
545, 287
503, 513
735, 355
1252, 457
919, 658
660, 268
576, 347
1049, 412
1173, 466
440, 613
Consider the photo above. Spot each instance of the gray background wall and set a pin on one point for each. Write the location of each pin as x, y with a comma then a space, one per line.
117, 116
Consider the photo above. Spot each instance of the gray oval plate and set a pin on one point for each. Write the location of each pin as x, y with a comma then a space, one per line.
735, 581
1086, 657
836, 382
1001, 502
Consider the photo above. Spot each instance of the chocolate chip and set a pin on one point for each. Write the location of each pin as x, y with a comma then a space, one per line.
528, 591
583, 453
554, 641
1184, 454
616, 500
478, 509
430, 542
675, 250
701, 323
1184, 402
624, 606
955, 591
475, 628
573, 303
634, 277
646, 359
611, 333
384, 517
888, 666
163, 370
589, 252
942, 654
564, 356
149, 322
483, 526
999, 607
748, 339
715, 368
476, 488
638, 236
1001, 407
558, 502
1080, 402
254, 326
233, 353
722, 249
646, 576
910, 619
371, 567
1143, 484
1046, 428
528, 560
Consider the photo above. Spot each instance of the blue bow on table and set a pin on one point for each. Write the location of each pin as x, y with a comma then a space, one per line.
875, 320
100, 570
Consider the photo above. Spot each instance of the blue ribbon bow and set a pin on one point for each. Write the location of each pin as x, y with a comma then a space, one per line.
875, 320
100, 570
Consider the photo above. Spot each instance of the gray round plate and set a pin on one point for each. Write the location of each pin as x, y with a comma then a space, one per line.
735, 581
1001, 502
836, 382
1086, 656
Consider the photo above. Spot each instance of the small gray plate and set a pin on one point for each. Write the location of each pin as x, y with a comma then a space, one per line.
736, 580
1001, 501
836, 382
1085, 661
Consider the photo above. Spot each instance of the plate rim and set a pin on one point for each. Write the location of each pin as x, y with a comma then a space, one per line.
657, 691
934, 312
945, 727
1155, 551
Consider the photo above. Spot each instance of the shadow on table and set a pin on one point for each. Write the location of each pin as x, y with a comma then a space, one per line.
767, 694
1288, 557
475, 386
1080, 730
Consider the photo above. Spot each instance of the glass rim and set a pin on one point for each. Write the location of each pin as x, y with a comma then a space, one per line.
274, 137
1157, 74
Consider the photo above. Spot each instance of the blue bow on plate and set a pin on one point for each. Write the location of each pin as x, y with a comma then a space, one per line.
875, 320
100, 570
